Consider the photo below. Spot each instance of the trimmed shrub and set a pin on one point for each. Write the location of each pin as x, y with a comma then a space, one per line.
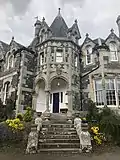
28, 115
15, 124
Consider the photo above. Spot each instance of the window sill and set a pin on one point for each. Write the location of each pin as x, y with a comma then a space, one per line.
114, 60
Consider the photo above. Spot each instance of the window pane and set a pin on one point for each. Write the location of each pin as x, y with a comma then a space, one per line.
98, 85
59, 59
109, 84
58, 54
41, 58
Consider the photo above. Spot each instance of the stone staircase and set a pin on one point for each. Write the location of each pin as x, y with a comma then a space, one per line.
59, 136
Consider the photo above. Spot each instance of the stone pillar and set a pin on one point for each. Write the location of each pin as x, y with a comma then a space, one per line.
69, 113
34, 101
47, 100
46, 114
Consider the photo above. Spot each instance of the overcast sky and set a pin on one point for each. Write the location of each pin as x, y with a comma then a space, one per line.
96, 17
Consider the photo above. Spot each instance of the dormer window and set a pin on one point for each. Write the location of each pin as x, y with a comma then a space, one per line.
59, 55
88, 55
113, 51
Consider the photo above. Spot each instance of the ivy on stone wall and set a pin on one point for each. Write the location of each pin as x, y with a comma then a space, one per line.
27, 99
76, 101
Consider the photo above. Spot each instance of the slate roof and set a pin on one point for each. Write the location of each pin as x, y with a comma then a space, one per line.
4, 46
59, 27
96, 41
75, 25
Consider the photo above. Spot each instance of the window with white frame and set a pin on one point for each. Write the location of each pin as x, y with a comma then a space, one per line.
41, 58
113, 51
110, 91
88, 55
99, 92
59, 55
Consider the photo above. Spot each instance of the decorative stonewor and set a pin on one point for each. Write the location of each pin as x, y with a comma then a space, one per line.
77, 121
84, 135
38, 122
32, 140
85, 139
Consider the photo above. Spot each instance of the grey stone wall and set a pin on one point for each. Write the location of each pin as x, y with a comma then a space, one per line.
27, 102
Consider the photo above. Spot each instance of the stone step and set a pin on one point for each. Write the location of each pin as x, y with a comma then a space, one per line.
58, 145
59, 129
59, 136
58, 117
62, 132
60, 151
58, 125
60, 140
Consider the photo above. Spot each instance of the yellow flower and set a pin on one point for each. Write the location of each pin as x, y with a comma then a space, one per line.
15, 124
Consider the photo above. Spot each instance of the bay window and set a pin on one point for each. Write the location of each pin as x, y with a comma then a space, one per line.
110, 92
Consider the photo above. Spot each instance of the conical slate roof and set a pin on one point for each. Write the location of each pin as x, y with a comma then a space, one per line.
59, 27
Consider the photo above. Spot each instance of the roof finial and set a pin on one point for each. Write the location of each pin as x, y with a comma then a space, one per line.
59, 9
112, 30
75, 20
43, 19
12, 38
87, 35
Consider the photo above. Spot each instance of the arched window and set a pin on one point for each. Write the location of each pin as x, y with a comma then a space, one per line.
88, 55
113, 51
10, 62
6, 91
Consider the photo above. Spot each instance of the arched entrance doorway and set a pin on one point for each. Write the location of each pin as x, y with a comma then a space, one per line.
41, 96
58, 96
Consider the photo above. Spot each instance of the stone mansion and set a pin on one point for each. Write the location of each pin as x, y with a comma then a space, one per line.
57, 74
